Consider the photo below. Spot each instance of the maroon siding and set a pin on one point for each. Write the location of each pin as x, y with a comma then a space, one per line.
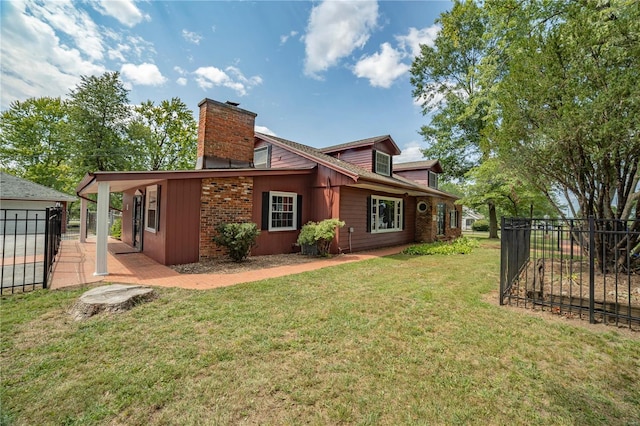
360, 157
176, 240
182, 225
154, 244
281, 158
420, 176
353, 210
279, 241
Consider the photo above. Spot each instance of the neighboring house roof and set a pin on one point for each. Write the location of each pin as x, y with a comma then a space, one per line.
15, 188
358, 174
471, 214
433, 165
362, 143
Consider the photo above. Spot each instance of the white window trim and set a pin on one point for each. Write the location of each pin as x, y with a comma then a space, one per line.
294, 212
453, 219
375, 200
433, 176
388, 161
153, 189
267, 163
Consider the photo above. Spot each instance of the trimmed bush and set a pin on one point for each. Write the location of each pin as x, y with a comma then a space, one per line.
481, 225
319, 234
238, 238
462, 245
116, 229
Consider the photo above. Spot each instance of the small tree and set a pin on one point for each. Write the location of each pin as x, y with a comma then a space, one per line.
320, 234
238, 238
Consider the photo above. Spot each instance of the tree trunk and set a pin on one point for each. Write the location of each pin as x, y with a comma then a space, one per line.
493, 220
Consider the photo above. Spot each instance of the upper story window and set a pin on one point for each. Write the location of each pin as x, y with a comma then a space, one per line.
433, 180
383, 163
262, 157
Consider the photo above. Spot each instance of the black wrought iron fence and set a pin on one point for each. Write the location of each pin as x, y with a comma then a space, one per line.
30, 243
586, 268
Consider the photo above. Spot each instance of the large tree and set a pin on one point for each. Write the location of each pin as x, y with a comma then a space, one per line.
447, 81
99, 114
165, 136
33, 142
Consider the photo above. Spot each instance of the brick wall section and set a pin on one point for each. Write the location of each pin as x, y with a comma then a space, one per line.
427, 225
222, 200
225, 131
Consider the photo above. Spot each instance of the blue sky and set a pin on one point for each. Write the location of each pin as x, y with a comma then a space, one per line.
319, 73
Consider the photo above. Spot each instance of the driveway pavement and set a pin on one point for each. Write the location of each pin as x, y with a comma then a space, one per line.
76, 264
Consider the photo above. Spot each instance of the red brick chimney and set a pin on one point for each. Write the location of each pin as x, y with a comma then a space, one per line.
225, 136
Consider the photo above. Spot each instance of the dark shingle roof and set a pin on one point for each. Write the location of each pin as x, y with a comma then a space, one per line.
419, 165
347, 168
15, 188
360, 143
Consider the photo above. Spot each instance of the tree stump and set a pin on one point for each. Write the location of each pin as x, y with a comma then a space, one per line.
110, 298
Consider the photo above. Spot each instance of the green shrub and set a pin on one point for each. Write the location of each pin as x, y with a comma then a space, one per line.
462, 245
319, 234
116, 228
481, 225
238, 238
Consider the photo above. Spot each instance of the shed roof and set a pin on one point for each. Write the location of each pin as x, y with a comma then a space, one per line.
15, 188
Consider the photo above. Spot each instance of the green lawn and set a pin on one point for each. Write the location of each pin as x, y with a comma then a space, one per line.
396, 340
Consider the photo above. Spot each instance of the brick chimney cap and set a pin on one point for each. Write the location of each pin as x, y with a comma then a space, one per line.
227, 104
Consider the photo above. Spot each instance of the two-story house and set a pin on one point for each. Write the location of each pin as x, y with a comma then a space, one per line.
245, 176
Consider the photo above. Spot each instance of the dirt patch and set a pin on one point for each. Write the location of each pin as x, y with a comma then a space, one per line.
225, 265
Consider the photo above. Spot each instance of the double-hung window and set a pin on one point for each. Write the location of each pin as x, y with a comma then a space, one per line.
440, 216
433, 180
453, 218
383, 163
386, 214
282, 211
152, 207
262, 157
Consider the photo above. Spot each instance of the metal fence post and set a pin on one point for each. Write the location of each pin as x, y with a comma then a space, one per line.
503, 260
592, 250
45, 269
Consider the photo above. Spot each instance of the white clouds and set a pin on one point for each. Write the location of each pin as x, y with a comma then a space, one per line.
125, 11
233, 78
191, 37
412, 41
35, 62
335, 29
264, 130
285, 37
143, 74
382, 68
410, 152
181, 81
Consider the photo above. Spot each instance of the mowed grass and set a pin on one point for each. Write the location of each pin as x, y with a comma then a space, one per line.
395, 340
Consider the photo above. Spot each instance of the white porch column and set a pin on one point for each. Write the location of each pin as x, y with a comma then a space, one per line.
83, 220
102, 229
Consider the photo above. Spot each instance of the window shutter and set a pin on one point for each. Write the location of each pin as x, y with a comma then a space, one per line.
404, 216
299, 212
369, 213
373, 162
265, 211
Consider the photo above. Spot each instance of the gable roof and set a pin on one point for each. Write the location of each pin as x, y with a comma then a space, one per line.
363, 143
357, 173
15, 188
433, 165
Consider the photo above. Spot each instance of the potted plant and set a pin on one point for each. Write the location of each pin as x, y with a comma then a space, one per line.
315, 237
